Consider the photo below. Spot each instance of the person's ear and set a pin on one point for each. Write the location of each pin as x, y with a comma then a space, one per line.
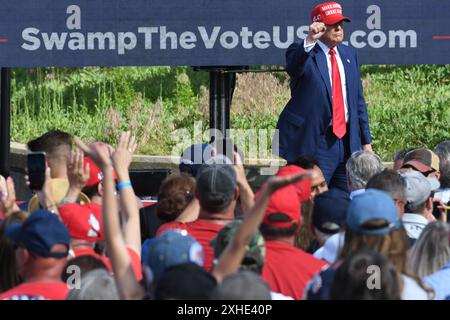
236, 193
437, 174
24, 257
429, 204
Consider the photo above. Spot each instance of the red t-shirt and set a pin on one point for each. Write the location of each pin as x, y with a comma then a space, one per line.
135, 260
37, 291
288, 269
201, 230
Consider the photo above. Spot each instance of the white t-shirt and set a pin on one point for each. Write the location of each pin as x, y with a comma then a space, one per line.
412, 290
414, 224
331, 248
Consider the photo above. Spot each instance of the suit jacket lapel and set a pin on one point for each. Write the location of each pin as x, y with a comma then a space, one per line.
323, 68
346, 63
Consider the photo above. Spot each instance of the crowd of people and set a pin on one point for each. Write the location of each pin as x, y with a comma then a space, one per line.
86, 235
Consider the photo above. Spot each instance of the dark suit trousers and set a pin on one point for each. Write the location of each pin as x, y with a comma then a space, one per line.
332, 154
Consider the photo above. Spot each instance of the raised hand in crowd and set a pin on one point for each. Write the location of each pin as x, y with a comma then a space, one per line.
117, 244
8, 196
246, 194
77, 174
121, 159
231, 258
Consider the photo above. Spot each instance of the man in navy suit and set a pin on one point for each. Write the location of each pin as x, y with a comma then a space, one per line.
326, 116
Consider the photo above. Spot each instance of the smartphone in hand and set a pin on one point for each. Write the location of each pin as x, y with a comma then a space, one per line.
36, 165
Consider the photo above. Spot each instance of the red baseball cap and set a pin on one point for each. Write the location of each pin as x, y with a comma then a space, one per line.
328, 13
84, 221
303, 187
95, 174
284, 202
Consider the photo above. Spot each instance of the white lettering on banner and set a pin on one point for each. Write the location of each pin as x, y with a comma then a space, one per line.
212, 37
289, 37
148, 35
27, 35
245, 35
187, 40
260, 38
229, 35
126, 41
101, 39
54, 40
77, 41
209, 41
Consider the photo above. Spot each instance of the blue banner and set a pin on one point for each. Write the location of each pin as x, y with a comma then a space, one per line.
211, 32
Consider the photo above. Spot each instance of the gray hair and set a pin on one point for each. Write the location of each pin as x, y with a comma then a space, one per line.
390, 182
443, 152
95, 285
431, 251
361, 166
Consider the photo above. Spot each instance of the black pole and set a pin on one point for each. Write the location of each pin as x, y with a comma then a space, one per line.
214, 95
5, 118
224, 106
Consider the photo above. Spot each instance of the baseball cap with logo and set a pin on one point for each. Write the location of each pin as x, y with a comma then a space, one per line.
39, 233
171, 248
83, 221
419, 187
328, 13
372, 205
255, 251
421, 159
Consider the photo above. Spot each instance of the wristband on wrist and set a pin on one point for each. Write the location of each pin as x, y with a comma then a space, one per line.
124, 184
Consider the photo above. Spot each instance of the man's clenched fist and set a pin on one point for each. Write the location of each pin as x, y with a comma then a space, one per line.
316, 30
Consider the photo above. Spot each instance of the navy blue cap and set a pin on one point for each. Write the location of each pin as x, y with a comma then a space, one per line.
194, 156
39, 233
330, 210
372, 205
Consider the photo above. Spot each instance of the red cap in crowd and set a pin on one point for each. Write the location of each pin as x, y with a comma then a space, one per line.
328, 13
303, 187
95, 174
283, 204
84, 221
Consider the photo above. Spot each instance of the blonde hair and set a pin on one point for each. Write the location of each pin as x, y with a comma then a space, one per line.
431, 251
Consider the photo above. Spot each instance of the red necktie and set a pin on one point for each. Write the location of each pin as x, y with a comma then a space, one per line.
339, 128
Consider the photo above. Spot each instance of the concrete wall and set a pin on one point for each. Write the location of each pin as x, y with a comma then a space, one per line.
18, 163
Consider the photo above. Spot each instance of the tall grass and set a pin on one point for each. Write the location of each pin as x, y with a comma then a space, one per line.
408, 106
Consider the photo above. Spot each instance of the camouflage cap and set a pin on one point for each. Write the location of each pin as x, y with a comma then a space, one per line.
255, 252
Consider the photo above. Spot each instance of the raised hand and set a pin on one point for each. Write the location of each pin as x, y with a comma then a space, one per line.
275, 183
8, 196
123, 155
99, 152
316, 30
77, 174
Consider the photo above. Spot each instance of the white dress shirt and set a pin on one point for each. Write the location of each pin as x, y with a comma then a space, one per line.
326, 50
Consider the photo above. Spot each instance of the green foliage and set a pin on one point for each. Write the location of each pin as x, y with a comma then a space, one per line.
408, 105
